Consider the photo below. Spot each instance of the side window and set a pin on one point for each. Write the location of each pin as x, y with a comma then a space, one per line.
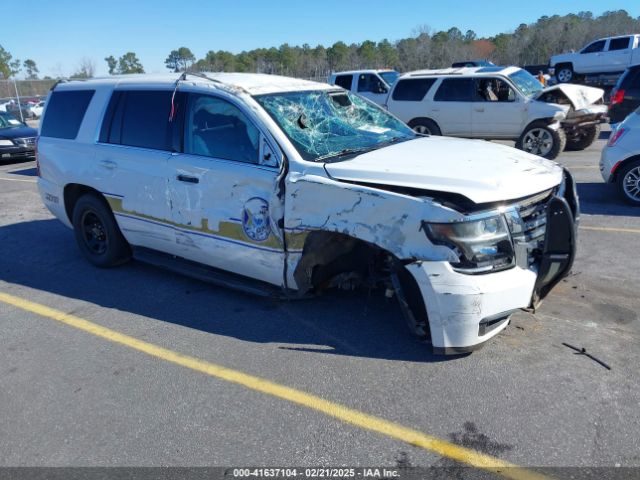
216, 128
138, 118
619, 43
594, 47
344, 81
493, 90
412, 89
65, 113
454, 90
368, 82
635, 80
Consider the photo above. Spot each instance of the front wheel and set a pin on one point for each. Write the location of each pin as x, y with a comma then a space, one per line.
540, 139
425, 126
628, 182
582, 138
564, 74
97, 233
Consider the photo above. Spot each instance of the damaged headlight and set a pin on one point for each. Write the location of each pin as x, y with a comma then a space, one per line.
482, 245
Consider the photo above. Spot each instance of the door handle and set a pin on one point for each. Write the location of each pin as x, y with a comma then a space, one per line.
188, 179
110, 164
479, 109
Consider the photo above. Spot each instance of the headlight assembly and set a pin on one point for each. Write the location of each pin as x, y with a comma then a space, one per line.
482, 245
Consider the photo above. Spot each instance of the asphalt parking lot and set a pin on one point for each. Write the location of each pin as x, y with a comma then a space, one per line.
76, 396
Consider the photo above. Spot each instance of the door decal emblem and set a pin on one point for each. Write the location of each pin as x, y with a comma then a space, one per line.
255, 219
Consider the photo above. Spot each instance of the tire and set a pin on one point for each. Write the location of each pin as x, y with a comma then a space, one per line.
97, 233
425, 126
628, 183
541, 140
583, 138
565, 73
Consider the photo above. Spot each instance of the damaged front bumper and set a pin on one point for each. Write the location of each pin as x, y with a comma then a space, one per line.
465, 310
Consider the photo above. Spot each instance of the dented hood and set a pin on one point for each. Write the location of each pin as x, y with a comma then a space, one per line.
479, 170
579, 95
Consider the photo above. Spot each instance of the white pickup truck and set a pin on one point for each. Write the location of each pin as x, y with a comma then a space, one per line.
606, 55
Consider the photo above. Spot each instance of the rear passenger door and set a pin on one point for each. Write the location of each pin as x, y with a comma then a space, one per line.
131, 165
223, 191
451, 106
618, 54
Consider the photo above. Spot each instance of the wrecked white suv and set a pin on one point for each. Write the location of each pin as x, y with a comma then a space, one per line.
499, 103
288, 187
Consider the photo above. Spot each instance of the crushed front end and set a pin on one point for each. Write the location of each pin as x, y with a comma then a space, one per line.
467, 306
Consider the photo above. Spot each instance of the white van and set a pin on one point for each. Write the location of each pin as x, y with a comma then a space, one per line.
284, 186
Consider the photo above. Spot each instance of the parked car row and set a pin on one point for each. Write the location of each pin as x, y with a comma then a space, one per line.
17, 140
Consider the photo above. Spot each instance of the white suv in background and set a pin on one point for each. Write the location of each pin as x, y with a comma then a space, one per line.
373, 85
605, 55
287, 187
499, 103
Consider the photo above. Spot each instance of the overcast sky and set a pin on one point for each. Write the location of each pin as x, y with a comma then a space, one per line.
58, 34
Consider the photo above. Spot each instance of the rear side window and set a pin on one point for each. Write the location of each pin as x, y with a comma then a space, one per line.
344, 81
634, 79
455, 90
138, 118
619, 43
65, 112
412, 89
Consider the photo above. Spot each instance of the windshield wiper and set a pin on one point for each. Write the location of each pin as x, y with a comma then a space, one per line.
346, 151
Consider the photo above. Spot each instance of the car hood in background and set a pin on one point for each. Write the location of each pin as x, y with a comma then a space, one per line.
479, 170
21, 131
580, 96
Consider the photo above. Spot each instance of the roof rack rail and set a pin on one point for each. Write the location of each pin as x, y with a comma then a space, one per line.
60, 80
205, 77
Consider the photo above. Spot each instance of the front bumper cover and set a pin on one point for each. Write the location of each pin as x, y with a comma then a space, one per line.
464, 311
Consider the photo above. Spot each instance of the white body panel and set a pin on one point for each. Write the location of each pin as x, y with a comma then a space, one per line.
235, 215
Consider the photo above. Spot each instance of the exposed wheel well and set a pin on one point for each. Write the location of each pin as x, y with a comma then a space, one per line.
332, 259
564, 64
72, 192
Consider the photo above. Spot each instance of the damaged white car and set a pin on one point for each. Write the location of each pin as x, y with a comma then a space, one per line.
287, 187
499, 103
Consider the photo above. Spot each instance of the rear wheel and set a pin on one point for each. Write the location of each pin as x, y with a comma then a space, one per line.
582, 138
97, 233
564, 73
425, 126
540, 139
628, 182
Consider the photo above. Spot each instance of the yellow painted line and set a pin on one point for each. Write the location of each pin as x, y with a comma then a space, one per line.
18, 180
610, 229
332, 409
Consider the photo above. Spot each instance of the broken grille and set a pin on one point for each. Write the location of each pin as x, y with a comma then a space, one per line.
527, 223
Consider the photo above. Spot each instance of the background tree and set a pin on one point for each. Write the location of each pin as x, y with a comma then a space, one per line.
180, 60
31, 70
112, 64
86, 69
5, 60
129, 63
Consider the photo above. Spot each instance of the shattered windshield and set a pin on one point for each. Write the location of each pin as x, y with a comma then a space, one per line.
526, 83
331, 125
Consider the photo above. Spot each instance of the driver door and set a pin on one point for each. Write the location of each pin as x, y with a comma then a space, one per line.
372, 87
223, 191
